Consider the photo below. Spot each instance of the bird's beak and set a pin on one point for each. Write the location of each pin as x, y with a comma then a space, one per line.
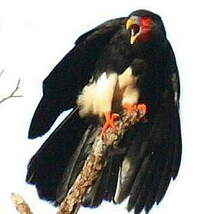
130, 24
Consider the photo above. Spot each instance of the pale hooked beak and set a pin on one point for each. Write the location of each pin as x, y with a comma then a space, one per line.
133, 26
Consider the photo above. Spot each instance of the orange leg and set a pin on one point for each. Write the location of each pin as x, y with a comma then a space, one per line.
135, 107
110, 121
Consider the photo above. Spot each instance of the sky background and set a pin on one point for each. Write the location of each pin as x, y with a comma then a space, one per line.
35, 35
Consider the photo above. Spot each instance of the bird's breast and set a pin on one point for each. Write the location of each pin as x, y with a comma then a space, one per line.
108, 93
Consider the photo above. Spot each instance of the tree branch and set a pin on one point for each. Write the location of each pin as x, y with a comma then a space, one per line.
12, 93
93, 166
1, 72
96, 162
20, 204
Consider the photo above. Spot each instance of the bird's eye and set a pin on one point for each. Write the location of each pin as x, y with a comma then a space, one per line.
134, 29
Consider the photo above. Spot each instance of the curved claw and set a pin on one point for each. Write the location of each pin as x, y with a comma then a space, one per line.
110, 121
130, 108
142, 108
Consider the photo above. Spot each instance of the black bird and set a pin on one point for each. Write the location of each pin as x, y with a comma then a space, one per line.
123, 63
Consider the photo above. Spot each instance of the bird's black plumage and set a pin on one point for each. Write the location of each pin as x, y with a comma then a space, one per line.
63, 84
151, 150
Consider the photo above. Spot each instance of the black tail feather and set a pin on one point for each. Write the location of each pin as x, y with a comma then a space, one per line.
105, 186
52, 158
178, 145
138, 184
76, 161
151, 157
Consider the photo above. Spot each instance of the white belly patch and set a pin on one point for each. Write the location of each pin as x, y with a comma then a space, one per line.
100, 96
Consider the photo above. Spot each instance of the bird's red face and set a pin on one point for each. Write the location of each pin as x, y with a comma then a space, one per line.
140, 28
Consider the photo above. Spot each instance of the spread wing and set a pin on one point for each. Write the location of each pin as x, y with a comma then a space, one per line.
61, 87
152, 158
154, 151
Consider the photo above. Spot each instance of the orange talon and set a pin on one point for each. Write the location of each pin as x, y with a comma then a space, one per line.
130, 107
142, 108
110, 121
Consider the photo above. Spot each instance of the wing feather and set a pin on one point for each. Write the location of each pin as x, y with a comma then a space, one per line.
71, 74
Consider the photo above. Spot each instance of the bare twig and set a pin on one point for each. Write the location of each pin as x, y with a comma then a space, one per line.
13, 93
20, 204
1, 72
95, 163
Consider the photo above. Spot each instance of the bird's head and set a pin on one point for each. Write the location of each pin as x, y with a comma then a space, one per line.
143, 25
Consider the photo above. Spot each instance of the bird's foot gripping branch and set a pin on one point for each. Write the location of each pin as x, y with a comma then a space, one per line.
95, 162
136, 107
110, 118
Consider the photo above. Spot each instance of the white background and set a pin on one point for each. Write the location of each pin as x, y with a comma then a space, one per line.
36, 34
